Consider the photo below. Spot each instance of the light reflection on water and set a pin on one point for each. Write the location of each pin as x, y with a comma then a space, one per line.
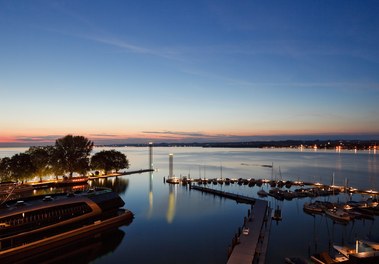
175, 225
83, 250
181, 226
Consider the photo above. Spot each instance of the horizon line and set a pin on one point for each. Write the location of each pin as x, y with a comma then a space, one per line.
232, 139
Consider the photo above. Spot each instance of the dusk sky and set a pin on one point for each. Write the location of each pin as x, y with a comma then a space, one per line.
135, 71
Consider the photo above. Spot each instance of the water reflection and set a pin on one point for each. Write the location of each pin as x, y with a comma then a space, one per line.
151, 198
171, 203
53, 190
82, 250
117, 184
171, 208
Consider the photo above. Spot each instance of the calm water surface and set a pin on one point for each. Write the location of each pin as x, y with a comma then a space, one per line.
175, 225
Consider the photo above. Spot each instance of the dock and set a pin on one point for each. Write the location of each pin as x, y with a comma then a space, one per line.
238, 198
250, 245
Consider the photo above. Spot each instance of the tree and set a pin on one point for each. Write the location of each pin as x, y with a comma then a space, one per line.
71, 154
5, 170
21, 167
40, 158
119, 160
109, 160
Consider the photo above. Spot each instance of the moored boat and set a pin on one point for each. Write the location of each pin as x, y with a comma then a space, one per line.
338, 215
277, 214
326, 258
312, 208
359, 254
173, 180
373, 245
262, 193
34, 224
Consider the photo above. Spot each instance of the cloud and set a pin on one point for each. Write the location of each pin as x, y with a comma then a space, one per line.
194, 136
177, 133
167, 53
38, 139
121, 44
103, 135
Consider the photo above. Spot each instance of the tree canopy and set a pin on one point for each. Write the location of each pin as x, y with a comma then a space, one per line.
40, 158
72, 153
69, 154
21, 167
109, 160
5, 169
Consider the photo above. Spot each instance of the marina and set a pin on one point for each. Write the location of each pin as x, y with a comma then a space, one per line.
189, 132
248, 245
165, 213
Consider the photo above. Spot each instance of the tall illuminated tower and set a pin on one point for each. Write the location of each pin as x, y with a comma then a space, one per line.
171, 165
151, 155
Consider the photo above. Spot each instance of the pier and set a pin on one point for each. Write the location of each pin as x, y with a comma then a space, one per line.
238, 198
315, 189
253, 241
120, 174
250, 245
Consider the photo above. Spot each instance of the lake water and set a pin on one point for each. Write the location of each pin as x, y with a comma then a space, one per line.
173, 224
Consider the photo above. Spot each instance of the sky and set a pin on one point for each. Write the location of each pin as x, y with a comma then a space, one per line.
188, 71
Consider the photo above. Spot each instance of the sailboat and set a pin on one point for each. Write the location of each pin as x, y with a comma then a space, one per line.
262, 193
338, 215
272, 182
277, 214
358, 254
220, 181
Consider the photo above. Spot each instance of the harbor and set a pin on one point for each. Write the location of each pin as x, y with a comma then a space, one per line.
251, 242
248, 244
166, 212
314, 189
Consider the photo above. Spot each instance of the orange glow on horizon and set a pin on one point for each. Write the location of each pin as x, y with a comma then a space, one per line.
7, 139
156, 135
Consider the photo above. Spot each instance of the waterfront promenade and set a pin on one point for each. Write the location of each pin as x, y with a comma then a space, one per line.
120, 174
81, 180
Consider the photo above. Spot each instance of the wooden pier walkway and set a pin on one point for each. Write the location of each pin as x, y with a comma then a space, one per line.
236, 197
251, 247
252, 244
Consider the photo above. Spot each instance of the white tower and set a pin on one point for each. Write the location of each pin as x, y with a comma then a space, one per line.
171, 165
151, 155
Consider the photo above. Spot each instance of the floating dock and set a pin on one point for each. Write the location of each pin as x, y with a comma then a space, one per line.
250, 245
238, 198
